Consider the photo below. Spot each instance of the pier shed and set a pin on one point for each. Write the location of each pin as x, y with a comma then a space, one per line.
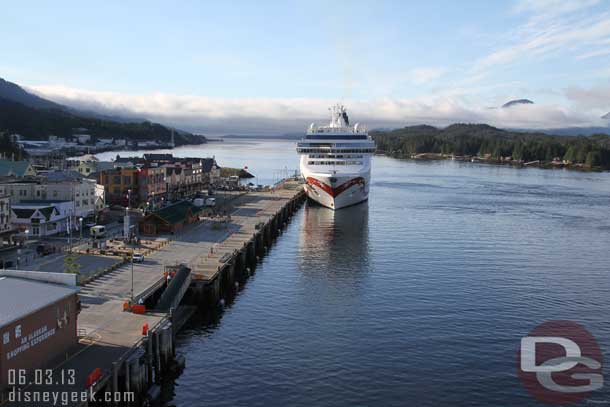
170, 219
37, 324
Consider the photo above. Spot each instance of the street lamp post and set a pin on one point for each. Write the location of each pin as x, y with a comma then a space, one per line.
132, 250
80, 220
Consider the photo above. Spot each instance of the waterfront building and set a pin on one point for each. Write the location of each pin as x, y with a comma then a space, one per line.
151, 185
184, 178
170, 219
210, 170
120, 185
37, 323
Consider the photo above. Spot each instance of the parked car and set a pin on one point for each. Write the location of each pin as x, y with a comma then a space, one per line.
138, 257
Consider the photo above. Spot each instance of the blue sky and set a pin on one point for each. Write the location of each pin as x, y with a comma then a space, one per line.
205, 63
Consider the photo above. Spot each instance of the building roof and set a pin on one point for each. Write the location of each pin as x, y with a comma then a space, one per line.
133, 160
23, 213
56, 175
158, 157
175, 213
20, 297
104, 165
16, 168
86, 158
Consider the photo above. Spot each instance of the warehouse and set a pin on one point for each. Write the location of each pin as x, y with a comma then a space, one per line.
37, 324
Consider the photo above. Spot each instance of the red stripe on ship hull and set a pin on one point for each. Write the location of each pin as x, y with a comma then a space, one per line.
334, 192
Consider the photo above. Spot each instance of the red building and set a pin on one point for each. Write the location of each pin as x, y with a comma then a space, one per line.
152, 187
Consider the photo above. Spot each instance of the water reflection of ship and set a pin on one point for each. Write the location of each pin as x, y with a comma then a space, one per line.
334, 240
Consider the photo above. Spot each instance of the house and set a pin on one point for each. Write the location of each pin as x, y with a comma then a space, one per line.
90, 167
17, 169
170, 219
43, 218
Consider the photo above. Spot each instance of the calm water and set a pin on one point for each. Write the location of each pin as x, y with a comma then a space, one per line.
419, 297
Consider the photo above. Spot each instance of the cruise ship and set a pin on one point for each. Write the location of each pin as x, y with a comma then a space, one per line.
336, 161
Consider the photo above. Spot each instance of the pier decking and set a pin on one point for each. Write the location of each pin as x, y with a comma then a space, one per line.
113, 341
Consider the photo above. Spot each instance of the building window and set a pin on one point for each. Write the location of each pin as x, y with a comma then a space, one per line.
127, 180
117, 179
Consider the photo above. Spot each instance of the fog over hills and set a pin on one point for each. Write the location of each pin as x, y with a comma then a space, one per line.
218, 116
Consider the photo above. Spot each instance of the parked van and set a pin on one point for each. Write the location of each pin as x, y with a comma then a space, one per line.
98, 231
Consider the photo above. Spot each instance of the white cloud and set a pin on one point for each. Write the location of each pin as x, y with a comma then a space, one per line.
597, 98
552, 7
553, 27
594, 54
252, 115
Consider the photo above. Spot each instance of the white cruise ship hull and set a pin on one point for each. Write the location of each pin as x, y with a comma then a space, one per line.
336, 191
336, 161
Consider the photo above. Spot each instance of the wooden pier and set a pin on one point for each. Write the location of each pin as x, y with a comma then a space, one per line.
121, 351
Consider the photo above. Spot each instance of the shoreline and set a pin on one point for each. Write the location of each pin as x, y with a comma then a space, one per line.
546, 165
118, 150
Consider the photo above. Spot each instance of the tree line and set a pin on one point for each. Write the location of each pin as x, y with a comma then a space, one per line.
484, 140
39, 124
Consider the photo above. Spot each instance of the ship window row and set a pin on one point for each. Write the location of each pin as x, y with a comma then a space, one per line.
334, 162
351, 151
334, 156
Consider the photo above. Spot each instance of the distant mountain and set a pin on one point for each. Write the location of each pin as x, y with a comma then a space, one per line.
606, 116
572, 131
37, 118
517, 102
15, 93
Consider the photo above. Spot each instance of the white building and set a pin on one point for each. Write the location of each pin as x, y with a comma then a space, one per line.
80, 192
40, 219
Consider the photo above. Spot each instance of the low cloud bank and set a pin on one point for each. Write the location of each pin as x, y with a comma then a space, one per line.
276, 116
